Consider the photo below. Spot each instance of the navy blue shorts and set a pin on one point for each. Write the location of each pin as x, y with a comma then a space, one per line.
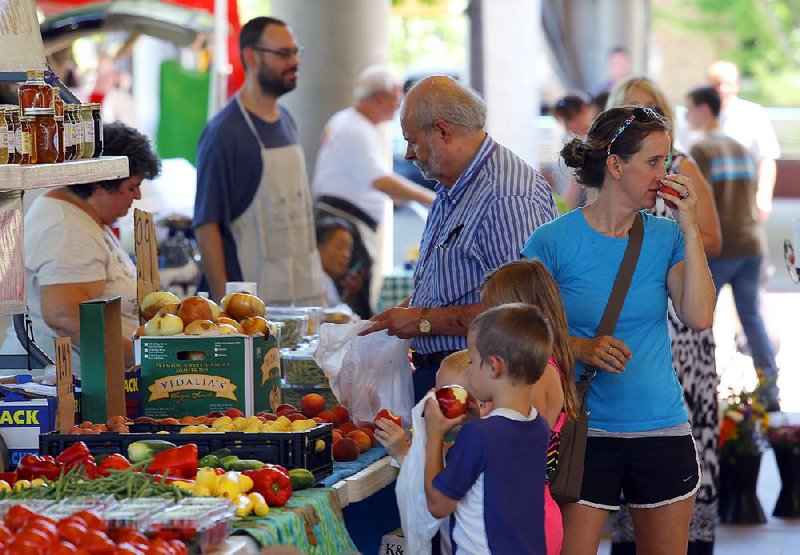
649, 471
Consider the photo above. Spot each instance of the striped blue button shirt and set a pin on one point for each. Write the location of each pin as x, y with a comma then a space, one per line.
475, 226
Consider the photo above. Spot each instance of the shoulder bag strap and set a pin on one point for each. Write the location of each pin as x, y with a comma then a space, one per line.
621, 283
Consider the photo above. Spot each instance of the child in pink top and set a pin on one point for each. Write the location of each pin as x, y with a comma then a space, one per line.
554, 394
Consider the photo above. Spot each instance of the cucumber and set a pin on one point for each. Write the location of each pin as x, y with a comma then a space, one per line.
219, 453
301, 479
144, 449
245, 464
230, 459
210, 461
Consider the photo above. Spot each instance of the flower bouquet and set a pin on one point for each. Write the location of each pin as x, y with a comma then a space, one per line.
742, 440
744, 425
784, 436
785, 441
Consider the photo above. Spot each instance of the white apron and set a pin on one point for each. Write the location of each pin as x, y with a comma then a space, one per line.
275, 241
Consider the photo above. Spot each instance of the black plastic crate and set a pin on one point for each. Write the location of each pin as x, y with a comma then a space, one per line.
103, 443
288, 449
153, 427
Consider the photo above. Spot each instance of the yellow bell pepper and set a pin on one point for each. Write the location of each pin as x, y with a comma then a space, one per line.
246, 482
19, 485
260, 507
244, 506
228, 486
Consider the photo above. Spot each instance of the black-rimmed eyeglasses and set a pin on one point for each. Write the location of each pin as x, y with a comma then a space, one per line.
283, 53
642, 114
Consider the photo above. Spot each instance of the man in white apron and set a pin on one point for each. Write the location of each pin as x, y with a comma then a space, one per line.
253, 216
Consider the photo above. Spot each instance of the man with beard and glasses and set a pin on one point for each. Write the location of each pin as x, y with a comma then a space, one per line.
488, 201
253, 213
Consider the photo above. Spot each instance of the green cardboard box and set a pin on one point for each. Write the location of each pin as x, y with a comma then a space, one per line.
102, 363
194, 375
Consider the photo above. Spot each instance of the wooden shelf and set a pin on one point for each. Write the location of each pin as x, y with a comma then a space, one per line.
16, 177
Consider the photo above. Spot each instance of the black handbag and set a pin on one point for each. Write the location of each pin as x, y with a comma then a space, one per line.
567, 478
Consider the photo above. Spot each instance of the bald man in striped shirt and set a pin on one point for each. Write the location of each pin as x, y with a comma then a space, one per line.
488, 202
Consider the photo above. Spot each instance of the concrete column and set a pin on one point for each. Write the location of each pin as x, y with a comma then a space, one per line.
340, 38
509, 77
600, 25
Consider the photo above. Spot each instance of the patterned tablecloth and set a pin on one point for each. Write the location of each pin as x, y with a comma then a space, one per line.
312, 519
396, 288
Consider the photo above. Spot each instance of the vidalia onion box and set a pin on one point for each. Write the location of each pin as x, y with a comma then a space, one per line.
193, 375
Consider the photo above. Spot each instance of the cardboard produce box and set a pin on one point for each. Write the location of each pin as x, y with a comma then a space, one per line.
26, 411
193, 375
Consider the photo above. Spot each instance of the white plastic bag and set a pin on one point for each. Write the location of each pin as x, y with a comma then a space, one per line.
419, 525
366, 373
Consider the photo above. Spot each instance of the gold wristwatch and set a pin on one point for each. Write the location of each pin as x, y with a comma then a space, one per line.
424, 323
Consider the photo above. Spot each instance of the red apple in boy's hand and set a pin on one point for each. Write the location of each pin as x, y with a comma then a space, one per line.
452, 400
388, 415
669, 191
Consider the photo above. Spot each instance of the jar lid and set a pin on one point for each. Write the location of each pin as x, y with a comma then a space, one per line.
59, 118
35, 73
85, 106
11, 108
40, 111
95, 104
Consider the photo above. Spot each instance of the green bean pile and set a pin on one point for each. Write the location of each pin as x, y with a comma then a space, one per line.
123, 484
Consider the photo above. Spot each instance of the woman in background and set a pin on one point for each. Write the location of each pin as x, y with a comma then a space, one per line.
692, 351
71, 254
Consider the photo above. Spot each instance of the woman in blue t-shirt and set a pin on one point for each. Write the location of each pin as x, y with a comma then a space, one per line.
640, 442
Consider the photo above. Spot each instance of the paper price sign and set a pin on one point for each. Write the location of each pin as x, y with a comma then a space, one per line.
65, 413
146, 244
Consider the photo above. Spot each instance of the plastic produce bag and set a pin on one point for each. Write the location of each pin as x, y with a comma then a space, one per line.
366, 373
419, 525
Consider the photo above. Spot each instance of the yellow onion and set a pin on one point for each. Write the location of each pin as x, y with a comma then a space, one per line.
242, 305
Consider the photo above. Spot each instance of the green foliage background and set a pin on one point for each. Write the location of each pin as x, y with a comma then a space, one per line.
761, 36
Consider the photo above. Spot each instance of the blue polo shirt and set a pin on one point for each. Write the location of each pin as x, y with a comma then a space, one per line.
495, 470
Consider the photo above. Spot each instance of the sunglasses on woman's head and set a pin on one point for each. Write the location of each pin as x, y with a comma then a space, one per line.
644, 115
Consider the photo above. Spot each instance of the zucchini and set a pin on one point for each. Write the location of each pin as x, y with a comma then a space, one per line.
301, 479
219, 453
245, 464
144, 449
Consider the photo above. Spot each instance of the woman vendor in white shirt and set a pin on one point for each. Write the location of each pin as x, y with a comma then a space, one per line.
71, 254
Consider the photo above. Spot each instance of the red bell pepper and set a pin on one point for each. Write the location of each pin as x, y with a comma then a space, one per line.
74, 455
273, 483
114, 461
89, 468
9, 477
33, 466
180, 462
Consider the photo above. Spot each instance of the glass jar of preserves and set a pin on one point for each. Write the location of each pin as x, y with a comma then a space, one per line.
3, 137
13, 134
44, 134
98, 130
60, 136
69, 148
77, 131
58, 104
8, 131
28, 153
88, 130
34, 92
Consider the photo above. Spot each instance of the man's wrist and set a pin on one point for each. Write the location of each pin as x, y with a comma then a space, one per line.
424, 321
